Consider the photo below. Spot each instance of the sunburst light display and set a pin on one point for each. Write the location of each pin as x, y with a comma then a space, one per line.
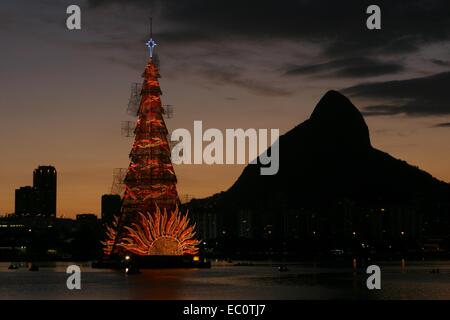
160, 233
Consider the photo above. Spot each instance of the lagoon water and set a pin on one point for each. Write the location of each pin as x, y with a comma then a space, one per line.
225, 281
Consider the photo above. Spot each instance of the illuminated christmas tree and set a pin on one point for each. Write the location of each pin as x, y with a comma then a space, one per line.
149, 222
150, 178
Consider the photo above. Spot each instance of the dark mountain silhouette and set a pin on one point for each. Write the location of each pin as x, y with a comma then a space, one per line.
328, 162
330, 156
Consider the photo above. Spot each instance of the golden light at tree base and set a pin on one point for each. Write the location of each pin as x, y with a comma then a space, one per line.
157, 234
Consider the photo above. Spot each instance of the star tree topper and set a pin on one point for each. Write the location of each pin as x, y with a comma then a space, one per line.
151, 44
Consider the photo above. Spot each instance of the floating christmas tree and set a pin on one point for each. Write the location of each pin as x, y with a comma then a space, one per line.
149, 222
150, 178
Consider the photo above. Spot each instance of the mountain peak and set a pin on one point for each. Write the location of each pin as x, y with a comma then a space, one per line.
339, 121
336, 106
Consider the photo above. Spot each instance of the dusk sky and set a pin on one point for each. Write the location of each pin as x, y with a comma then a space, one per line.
231, 64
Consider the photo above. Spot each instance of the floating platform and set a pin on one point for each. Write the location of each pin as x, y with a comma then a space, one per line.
153, 262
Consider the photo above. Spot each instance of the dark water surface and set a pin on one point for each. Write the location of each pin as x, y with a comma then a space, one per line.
225, 281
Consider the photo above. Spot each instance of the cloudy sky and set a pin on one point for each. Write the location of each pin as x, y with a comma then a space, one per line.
231, 64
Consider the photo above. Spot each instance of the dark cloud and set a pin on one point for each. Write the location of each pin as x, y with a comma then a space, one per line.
441, 63
232, 76
419, 96
443, 125
347, 48
351, 67
339, 25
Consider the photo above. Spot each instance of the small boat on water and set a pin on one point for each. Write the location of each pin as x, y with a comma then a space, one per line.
130, 270
13, 266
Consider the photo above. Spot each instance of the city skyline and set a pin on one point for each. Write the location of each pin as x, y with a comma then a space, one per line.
78, 84
41, 198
